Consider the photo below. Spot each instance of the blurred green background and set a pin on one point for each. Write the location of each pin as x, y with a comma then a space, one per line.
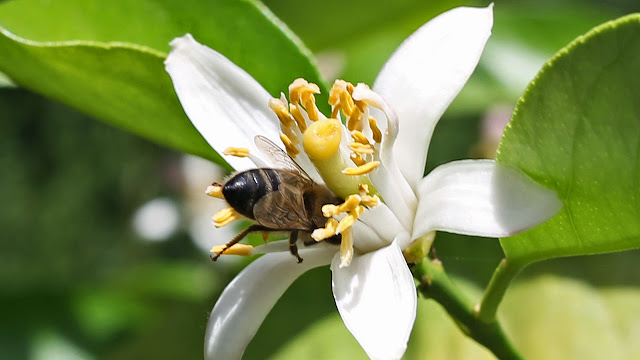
101, 256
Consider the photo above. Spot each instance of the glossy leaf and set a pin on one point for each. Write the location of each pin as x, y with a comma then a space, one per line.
576, 130
123, 84
126, 84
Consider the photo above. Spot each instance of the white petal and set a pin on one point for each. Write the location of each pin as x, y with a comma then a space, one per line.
384, 224
425, 74
481, 197
225, 104
247, 300
376, 297
387, 178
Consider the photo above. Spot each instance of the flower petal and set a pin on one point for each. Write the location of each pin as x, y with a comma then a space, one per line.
247, 300
225, 104
376, 297
425, 74
377, 227
481, 197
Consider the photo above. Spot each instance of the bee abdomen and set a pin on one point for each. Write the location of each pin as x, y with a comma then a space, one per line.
245, 189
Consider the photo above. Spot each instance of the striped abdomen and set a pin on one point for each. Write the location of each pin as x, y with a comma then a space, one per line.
246, 188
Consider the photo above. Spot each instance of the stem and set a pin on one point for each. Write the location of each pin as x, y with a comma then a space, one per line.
435, 283
505, 272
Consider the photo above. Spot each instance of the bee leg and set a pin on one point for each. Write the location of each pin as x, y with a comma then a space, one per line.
237, 238
293, 248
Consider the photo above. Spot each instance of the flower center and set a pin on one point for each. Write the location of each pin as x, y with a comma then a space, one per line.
344, 164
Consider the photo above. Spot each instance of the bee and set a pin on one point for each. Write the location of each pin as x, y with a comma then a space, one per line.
284, 198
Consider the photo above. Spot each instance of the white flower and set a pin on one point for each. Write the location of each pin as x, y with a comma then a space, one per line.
373, 287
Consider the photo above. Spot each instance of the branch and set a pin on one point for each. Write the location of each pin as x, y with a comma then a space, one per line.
435, 284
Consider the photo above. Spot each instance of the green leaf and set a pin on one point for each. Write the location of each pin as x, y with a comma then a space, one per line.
122, 84
577, 131
244, 31
125, 84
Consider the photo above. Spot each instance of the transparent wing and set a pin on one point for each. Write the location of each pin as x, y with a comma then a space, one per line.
283, 209
274, 154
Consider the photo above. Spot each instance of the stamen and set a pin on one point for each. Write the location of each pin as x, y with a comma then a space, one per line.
357, 159
363, 169
377, 134
302, 91
297, 116
348, 220
370, 201
291, 148
328, 231
295, 89
281, 111
335, 113
234, 151
359, 137
346, 248
349, 204
214, 190
346, 102
225, 216
310, 105
359, 148
354, 121
235, 249
363, 189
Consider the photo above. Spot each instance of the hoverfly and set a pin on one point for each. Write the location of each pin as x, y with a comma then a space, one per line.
284, 198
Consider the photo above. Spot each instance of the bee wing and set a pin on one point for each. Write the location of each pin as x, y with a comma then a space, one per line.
277, 156
283, 209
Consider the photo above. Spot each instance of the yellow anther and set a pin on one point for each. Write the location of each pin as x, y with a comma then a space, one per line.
359, 148
377, 134
322, 139
346, 102
297, 116
346, 248
349, 204
234, 151
329, 210
354, 122
360, 104
348, 220
310, 105
370, 201
294, 89
359, 137
225, 216
235, 249
338, 87
281, 111
291, 148
328, 231
214, 190
349, 88
336, 111
362, 169
357, 159
301, 89
363, 189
